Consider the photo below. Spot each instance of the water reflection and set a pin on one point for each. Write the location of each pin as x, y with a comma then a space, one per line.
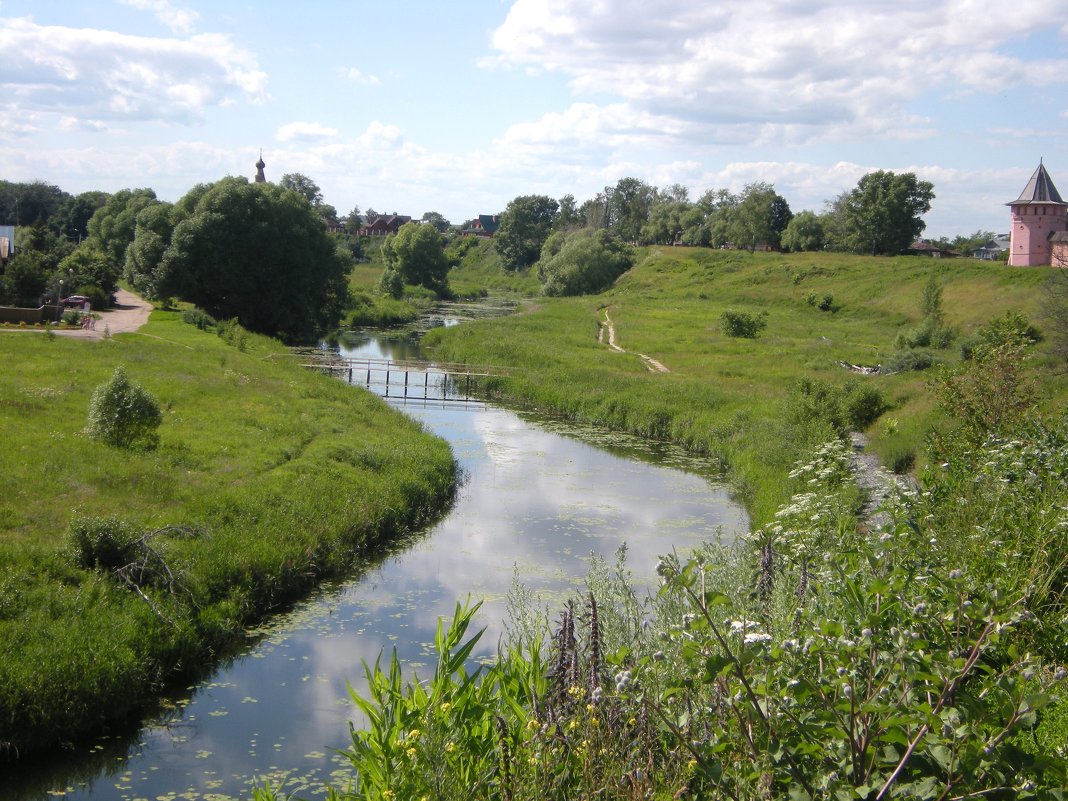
536, 503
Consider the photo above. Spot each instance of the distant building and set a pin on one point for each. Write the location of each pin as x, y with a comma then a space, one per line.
1038, 215
7, 242
260, 177
923, 248
384, 224
484, 225
994, 249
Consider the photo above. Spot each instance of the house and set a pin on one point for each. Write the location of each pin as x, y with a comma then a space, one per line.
484, 226
1038, 214
994, 249
7, 242
923, 248
384, 224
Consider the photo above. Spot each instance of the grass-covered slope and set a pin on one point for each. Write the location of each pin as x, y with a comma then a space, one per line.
736, 398
267, 477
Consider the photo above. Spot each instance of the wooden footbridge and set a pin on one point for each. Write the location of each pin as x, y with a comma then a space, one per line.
406, 380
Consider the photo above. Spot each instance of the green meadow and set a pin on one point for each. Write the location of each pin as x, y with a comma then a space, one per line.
267, 477
737, 399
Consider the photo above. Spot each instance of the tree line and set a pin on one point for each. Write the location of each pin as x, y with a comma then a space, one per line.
262, 253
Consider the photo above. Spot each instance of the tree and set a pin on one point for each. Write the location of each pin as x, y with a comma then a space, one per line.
113, 226
417, 254
525, 225
260, 253
87, 268
568, 215
882, 214
22, 203
665, 224
352, 220
302, 185
123, 414
630, 201
582, 262
805, 232
25, 278
437, 220
72, 217
759, 218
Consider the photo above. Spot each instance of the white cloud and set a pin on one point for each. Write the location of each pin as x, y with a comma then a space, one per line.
304, 132
98, 74
357, 76
179, 20
764, 71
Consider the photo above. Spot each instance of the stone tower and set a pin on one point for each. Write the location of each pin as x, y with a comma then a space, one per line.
260, 177
1038, 215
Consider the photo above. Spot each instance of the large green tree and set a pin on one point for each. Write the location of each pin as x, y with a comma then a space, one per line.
416, 254
804, 232
525, 225
582, 262
152, 234
882, 214
113, 225
72, 217
24, 203
759, 218
630, 202
259, 253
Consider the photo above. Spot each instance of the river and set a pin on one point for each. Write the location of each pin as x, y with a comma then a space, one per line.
538, 499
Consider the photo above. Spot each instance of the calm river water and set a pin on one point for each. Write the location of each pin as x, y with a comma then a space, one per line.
539, 498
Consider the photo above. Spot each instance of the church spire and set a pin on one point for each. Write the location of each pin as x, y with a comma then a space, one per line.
260, 177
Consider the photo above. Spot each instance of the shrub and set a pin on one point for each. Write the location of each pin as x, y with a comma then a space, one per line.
905, 361
862, 404
72, 317
123, 414
823, 303
232, 333
743, 324
101, 542
200, 319
1011, 326
900, 458
926, 335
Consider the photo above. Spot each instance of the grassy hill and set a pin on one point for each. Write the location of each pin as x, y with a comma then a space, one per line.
267, 477
736, 398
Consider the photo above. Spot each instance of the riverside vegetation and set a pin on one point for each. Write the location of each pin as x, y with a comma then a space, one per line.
828, 655
126, 566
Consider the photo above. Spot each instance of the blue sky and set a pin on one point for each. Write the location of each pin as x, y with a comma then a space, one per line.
459, 107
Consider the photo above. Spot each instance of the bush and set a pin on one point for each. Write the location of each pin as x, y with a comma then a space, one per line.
103, 543
926, 335
823, 303
862, 404
905, 361
72, 317
743, 324
232, 333
1011, 326
123, 414
200, 319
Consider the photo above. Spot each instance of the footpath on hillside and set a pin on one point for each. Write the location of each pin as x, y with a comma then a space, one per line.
652, 364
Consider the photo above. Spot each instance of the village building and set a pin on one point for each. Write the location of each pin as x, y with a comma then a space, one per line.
260, 177
1039, 218
483, 226
383, 224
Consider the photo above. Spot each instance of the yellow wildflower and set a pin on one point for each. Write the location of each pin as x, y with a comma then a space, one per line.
411, 753
450, 747
445, 707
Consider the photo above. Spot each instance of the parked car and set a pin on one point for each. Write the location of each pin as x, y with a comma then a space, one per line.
75, 302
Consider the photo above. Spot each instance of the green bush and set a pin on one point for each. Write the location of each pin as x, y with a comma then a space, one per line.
1000, 331
123, 414
72, 317
905, 361
926, 335
862, 404
823, 303
232, 333
743, 324
101, 543
198, 318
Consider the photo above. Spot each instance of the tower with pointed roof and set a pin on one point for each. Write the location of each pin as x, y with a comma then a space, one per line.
260, 177
1038, 215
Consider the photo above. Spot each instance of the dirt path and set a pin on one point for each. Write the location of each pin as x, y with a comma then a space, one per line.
875, 479
128, 315
652, 364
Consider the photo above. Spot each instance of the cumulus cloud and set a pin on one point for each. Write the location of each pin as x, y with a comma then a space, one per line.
766, 70
304, 132
179, 20
357, 76
104, 75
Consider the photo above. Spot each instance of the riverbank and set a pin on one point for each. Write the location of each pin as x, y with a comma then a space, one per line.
756, 404
267, 478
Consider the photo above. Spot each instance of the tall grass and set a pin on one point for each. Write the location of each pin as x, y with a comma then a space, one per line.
266, 478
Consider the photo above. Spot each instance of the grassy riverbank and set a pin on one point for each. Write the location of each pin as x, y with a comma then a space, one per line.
739, 399
267, 477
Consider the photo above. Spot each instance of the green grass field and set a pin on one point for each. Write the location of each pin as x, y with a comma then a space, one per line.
278, 475
729, 397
